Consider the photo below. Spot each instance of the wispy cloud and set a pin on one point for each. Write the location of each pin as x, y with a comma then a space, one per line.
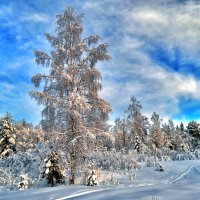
143, 32
35, 17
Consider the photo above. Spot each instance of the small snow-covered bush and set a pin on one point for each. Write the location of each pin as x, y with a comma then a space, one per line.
150, 162
180, 156
132, 176
197, 153
113, 179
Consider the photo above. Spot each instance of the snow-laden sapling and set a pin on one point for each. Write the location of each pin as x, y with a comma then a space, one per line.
132, 176
159, 168
150, 162
7, 136
23, 183
52, 172
92, 177
113, 179
92, 180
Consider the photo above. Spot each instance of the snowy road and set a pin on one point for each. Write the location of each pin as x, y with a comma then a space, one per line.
160, 192
180, 180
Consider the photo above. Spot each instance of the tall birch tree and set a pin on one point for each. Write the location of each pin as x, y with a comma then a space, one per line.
70, 94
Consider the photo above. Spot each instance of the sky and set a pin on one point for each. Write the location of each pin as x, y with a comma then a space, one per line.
155, 49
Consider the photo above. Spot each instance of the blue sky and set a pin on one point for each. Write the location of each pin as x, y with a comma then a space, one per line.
155, 49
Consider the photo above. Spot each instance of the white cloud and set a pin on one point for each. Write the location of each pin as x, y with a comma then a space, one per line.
149, 16
35, 17
172, 26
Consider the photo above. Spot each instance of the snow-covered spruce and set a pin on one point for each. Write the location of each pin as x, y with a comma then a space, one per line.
159, 167
91, 175
23, 184
92, 179
7, 136
53, 172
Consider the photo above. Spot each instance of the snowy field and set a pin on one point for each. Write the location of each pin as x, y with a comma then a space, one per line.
179, 181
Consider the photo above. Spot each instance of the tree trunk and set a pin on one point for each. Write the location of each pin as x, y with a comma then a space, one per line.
155, 156
73, 166
73, 154
124, 138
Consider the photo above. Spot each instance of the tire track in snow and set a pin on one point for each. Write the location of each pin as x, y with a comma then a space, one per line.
181, 175
87, 191
80, 193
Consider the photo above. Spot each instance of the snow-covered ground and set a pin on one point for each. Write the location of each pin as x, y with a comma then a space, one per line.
179, 181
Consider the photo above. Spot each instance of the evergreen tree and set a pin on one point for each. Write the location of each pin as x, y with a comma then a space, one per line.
171, 134
53, 172
7, 136
137, 123
171, 127
120, 131
165, 128
23, 183
182, 127
70, 95
193, 129
157, 135
92, 177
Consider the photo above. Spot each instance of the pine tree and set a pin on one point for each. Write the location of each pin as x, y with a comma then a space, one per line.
7, 136
70, 95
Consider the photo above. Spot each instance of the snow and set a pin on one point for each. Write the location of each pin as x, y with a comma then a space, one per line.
180, 180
